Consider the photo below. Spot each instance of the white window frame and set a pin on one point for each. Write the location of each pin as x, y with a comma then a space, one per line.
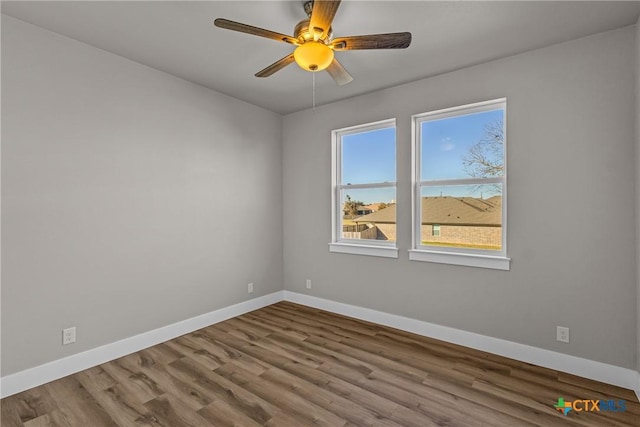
381, 248
455, 255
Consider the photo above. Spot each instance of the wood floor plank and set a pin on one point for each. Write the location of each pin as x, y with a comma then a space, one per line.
310, 326
287, 364
368, 360
232, 347
526, 401
242, 400
161, 354
239, 323
339, 327
286, 327
135, 384
95, 379
319, 347
221, 414
330, 319
372, 356
437, 413
291, 365
447, 400
77, 405
173, 412
526, 415
27, 406
307, 412
546, 395
588, 384
282, 419
184, 390
339, 405
125, 410
10, 412
51, 419
382, 407
566, 389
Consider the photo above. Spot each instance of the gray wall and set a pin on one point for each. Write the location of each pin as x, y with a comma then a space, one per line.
638, 187
131, 199
571, 202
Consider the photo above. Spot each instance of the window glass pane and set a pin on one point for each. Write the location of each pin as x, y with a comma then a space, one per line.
369, 214
463, 216
466, 146
369, 157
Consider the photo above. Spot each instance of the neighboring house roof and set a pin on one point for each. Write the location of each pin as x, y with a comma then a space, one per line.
372, 207
448, 210
387, 214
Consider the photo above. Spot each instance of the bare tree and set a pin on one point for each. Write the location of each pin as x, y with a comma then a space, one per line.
485, 158
351, 207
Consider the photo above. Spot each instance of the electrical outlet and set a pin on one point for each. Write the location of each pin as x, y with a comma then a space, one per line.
308, 283
68, 335
562, 334
250, 288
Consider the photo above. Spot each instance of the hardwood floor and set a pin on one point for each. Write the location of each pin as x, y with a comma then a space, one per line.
290, 365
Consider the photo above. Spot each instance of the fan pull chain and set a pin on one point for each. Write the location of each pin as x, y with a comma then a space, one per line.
313, 93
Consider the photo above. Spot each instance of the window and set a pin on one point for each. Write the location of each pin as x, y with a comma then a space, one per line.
364, 190
459, 197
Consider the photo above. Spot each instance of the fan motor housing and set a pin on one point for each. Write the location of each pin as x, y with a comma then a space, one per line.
302, 33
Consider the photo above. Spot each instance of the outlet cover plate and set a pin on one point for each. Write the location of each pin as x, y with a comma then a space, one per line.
69, 336
562, 334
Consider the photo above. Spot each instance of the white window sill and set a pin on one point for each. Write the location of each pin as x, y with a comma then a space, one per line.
369, 250
470, 260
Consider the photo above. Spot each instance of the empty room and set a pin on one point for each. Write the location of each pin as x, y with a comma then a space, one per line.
320, 213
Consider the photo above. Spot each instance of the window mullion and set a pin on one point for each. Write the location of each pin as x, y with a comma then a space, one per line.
462, 181
369, 185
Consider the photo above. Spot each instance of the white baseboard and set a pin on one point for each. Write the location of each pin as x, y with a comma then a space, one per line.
591, 369
29, 378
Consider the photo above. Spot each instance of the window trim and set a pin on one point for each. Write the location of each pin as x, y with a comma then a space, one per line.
354, 246
452, 255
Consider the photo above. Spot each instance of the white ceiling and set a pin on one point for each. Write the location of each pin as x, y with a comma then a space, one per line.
179, 38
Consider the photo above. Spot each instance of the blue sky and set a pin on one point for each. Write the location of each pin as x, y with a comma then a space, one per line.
370, 156
446, 141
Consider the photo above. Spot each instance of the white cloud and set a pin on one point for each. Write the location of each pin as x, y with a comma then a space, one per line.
447, 144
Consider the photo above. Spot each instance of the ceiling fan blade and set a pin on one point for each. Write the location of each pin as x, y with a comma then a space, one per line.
276, 66
322, 16
338, 73
244, 28
373, 41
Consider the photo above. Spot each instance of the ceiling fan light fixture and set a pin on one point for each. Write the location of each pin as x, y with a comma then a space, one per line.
315, 43
313, 56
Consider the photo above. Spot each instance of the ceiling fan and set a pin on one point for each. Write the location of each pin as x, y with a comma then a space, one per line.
315, 43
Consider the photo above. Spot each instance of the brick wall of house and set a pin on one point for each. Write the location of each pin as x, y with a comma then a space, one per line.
387, 232
467, 235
